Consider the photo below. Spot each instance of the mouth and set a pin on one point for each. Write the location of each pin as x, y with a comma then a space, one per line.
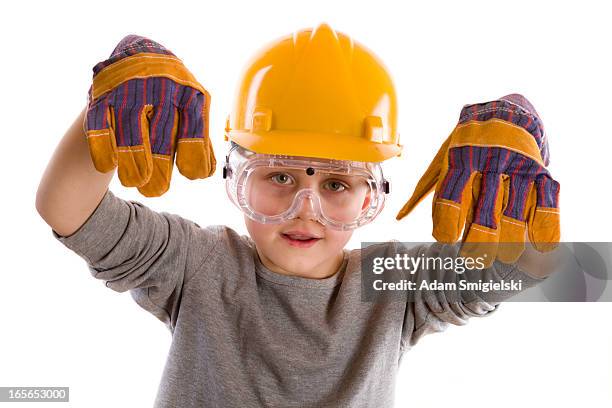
300, 239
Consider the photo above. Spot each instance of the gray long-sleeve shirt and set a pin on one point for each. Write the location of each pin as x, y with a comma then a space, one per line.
244, 336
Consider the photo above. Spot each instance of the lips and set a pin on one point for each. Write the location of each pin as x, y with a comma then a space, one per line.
300, 239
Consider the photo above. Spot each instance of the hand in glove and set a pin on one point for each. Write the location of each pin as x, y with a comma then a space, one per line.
490, 176
143, 107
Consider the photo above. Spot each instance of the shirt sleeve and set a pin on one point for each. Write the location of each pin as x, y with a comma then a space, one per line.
431, 311
133, 248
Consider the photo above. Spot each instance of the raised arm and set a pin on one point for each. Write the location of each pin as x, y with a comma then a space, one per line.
71, 187
144, 110
143, 107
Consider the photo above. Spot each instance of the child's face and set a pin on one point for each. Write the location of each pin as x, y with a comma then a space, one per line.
283, 248
303, 244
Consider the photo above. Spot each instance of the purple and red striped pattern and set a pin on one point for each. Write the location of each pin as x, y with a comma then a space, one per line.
513, 108
168, 98
127, 101
492, 162
130, 45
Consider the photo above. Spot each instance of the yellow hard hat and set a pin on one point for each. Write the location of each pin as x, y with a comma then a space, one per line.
316, 93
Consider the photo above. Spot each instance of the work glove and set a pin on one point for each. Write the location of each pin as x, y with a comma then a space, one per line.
143, 107
491, 181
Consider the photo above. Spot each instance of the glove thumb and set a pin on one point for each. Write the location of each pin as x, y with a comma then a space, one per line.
427, 182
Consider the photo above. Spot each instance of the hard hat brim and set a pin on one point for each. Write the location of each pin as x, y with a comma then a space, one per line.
320, 145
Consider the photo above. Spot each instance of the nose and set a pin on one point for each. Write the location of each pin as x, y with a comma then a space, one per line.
307, 207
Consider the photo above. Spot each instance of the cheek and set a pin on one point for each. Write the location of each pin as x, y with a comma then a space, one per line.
337, 239
260, 233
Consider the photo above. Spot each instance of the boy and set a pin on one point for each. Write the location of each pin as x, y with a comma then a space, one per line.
275, 318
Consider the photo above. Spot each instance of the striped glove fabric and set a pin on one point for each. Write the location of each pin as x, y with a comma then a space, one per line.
143, 107
491, 181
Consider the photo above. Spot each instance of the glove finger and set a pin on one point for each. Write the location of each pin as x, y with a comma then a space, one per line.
195, 157
453, 197
100, 135
427, 182
482, 235
164, 124
132, 133
544, 223
514, 220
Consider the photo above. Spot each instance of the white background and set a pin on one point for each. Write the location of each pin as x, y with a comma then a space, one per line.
61, 327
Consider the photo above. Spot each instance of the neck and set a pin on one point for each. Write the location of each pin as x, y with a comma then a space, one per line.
321, 271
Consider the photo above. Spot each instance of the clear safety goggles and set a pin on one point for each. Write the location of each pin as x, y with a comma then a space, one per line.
272, 189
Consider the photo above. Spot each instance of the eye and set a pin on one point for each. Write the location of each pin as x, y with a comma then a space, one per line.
281, 178
335, 186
